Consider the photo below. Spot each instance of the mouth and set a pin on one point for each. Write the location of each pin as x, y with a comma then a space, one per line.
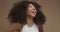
34, 12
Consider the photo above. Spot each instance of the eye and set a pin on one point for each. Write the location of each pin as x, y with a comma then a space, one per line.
30, 6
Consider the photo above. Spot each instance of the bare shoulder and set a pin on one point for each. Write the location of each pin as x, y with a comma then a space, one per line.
13, 26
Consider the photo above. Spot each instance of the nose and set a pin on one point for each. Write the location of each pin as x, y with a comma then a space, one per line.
34, 9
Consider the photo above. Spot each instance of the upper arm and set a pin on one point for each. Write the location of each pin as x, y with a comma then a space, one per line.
13, 27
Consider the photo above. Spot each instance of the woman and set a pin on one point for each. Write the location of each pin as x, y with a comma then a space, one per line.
26, 16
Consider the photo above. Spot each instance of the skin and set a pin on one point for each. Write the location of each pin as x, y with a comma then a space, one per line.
31, 13
13, 27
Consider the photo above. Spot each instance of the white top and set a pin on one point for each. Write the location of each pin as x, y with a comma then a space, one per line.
34, 28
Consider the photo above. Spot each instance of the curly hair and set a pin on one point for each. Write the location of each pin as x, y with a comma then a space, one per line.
18, 13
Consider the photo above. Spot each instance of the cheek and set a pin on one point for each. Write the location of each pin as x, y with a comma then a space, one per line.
29, 10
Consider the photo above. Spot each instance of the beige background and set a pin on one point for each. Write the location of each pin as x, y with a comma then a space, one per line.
51, 8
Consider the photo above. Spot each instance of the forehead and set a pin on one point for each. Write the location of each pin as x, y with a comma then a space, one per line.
31, 5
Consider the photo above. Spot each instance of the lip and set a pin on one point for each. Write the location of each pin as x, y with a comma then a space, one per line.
34, 12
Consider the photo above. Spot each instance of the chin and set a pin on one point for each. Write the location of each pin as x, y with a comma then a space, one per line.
33, 15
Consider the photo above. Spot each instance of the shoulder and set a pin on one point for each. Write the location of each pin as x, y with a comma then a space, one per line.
13, 27
18, 25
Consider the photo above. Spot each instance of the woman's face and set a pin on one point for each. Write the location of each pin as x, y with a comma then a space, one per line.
31, 11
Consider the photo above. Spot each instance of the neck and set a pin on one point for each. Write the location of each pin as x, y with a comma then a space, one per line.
29, 21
